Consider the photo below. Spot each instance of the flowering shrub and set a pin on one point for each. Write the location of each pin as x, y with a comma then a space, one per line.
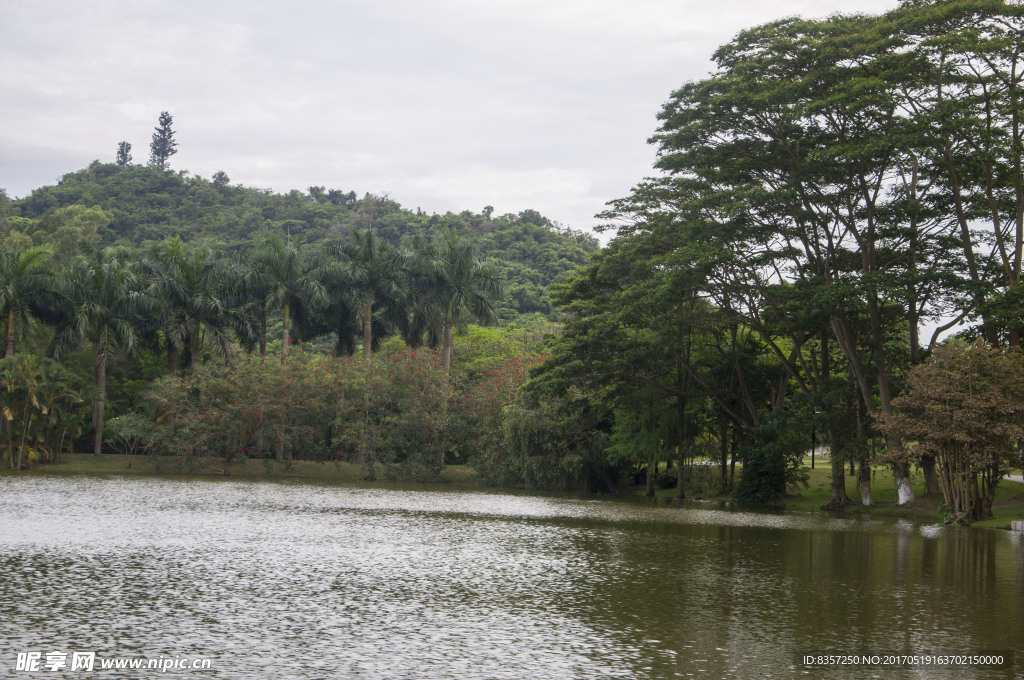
259, 406
402, 415
395, 415
477, 414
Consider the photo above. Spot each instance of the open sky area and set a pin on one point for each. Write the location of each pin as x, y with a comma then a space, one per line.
444, 105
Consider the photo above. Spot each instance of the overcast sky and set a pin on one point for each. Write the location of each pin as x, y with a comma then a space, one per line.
443, 105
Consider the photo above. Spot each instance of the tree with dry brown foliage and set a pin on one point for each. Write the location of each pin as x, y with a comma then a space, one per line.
964, 406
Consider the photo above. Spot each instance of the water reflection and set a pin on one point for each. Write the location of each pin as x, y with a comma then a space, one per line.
304, 581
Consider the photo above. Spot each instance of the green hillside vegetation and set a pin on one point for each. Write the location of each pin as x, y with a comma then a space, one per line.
109, 204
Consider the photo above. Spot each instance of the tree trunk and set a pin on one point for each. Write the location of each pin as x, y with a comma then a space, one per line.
839, 499
285, 334
864, 481
446, 347
24, 432
732, 459
172, 360
848, 342
680, 478
901, 475
97, 411
839, 443
931, 478
9, 352
263, 334
368, 332
725, 456
900, 469
838, 437
683, 439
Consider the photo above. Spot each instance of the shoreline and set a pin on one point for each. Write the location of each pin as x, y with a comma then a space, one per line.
1008, 505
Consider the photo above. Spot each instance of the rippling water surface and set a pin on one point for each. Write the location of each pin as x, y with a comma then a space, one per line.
272, 580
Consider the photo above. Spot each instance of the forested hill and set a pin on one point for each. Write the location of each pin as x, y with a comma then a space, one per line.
106, 204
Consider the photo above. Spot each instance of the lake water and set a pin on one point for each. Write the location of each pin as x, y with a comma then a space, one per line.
277, 580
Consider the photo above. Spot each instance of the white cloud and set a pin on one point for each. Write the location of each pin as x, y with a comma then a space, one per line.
450, 105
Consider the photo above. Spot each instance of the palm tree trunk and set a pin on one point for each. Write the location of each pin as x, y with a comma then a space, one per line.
368, 332
172, 360
285, 335
9, 352
263, 334
446, 347
97, 411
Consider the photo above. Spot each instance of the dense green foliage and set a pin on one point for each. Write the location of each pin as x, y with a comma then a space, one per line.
135, 204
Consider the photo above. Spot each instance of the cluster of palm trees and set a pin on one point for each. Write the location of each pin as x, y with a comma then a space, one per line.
179, 299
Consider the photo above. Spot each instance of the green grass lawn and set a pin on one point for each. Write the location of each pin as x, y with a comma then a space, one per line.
1008, 504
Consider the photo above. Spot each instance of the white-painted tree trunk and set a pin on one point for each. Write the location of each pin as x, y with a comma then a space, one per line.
904, 493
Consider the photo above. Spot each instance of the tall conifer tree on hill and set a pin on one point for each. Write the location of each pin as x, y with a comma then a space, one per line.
163, 145
124, 154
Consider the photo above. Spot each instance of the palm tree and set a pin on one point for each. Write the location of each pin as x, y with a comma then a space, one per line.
102, 302
187, 283
286, 280
452, 286
375, 278
25, 283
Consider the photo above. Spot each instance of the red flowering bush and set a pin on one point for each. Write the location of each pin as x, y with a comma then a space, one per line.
259, 406
395, 415
477, 415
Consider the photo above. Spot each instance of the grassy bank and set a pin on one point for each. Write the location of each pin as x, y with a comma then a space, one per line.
118, 465
1008, 504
